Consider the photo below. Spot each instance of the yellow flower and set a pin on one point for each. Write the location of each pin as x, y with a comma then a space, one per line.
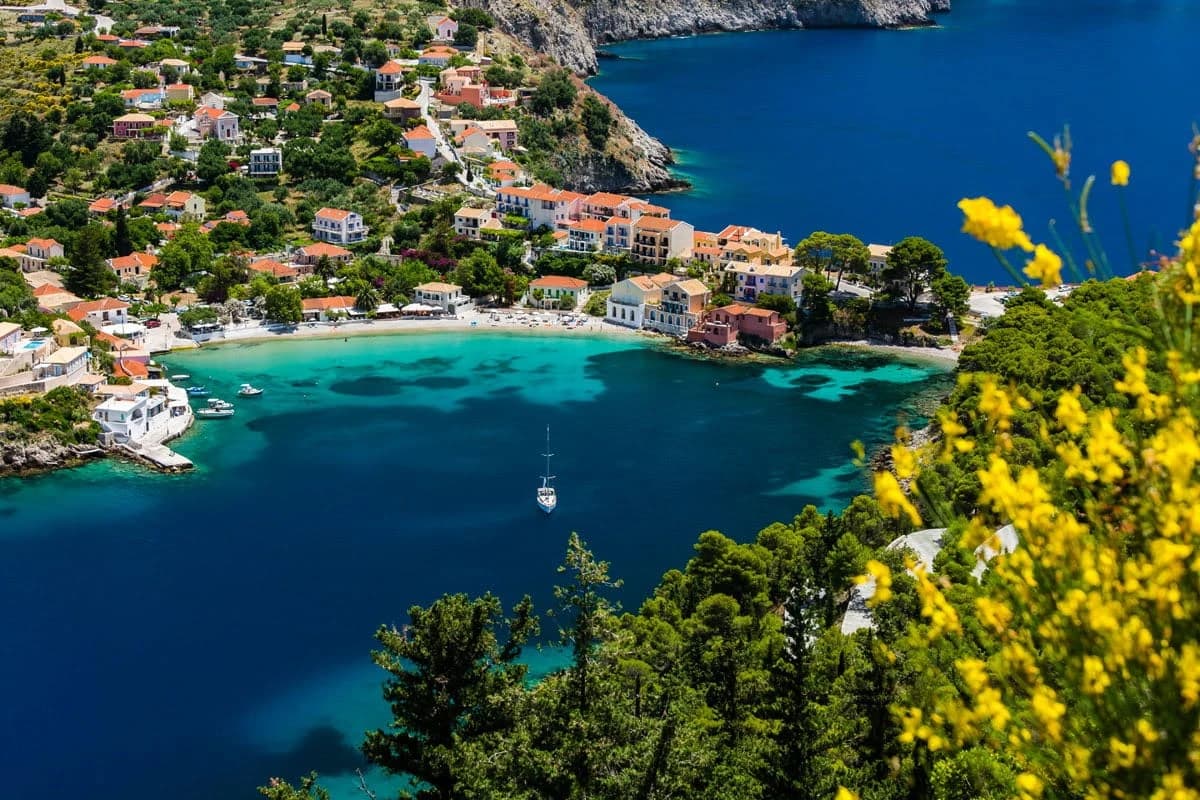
845, 794
1120, 173
904, 461
883, 582
1045, 266
1070, 413
1029, 785
998, 226
892, 499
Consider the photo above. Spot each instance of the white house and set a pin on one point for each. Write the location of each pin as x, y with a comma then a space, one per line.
877, 260
63, 362
131, 412
447, 296
327, 308
11, 195
585, 235
469, 221
105, 311
339, 226
540, 204
38, 252
10, 337
755, 279
266, 161
389, 81
629, 298
550, 291
420, 140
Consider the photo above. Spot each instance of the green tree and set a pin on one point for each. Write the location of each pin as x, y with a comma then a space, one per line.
556, 90
951, 296
187, 253
88, 275
815, 300
448, 677
283, 304
467, 35
122, 242
15, 295
597, 121
213, 161
912, 266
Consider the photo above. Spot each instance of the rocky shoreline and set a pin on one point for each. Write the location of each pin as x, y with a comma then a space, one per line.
570, 30
22, 457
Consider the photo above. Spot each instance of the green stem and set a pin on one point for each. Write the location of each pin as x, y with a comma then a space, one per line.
1128, 230
1062, 248
1016, 276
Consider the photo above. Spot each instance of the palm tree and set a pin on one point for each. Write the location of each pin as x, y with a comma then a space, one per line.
367, 298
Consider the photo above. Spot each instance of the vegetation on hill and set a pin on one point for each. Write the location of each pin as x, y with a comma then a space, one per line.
64, 413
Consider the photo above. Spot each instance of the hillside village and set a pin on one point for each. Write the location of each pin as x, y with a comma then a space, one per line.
187, 173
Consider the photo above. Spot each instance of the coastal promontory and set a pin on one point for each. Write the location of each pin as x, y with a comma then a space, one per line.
569, 30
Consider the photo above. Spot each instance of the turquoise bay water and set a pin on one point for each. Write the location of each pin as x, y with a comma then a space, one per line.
880, 133
190, 636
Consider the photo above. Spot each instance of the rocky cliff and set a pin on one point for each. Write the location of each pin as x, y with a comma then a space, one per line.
569, 30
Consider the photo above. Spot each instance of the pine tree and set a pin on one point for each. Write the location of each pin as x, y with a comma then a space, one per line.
122, 242
88, 275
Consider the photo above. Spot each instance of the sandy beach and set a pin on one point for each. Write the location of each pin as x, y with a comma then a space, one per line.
524, 322
945, 355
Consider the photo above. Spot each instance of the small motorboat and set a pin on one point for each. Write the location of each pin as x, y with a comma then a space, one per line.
247, 390
214, 413
181, 376
197, 391
219, 404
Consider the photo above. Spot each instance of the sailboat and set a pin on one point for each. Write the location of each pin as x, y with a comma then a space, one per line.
547, 499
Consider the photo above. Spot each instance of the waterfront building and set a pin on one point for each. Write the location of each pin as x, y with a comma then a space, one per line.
729, 324
681, 308
327, 308
448, 297
629, 299
757, 279
339, 226
555, 291
131, 412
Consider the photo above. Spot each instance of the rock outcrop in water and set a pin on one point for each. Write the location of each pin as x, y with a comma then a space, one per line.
569, 30
22, 454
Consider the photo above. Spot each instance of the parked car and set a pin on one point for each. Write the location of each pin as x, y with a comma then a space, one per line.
154, 323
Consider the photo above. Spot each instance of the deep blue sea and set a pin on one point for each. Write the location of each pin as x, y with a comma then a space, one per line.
191, 636
880, 133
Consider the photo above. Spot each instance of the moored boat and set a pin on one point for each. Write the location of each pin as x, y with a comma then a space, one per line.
547, 498
247, 390
219, 404
197, 391
181, 376
214, 413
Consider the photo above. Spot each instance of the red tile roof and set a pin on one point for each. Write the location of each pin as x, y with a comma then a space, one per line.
557, 282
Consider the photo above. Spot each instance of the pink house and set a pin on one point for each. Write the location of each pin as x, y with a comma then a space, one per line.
131, 126
728, 324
